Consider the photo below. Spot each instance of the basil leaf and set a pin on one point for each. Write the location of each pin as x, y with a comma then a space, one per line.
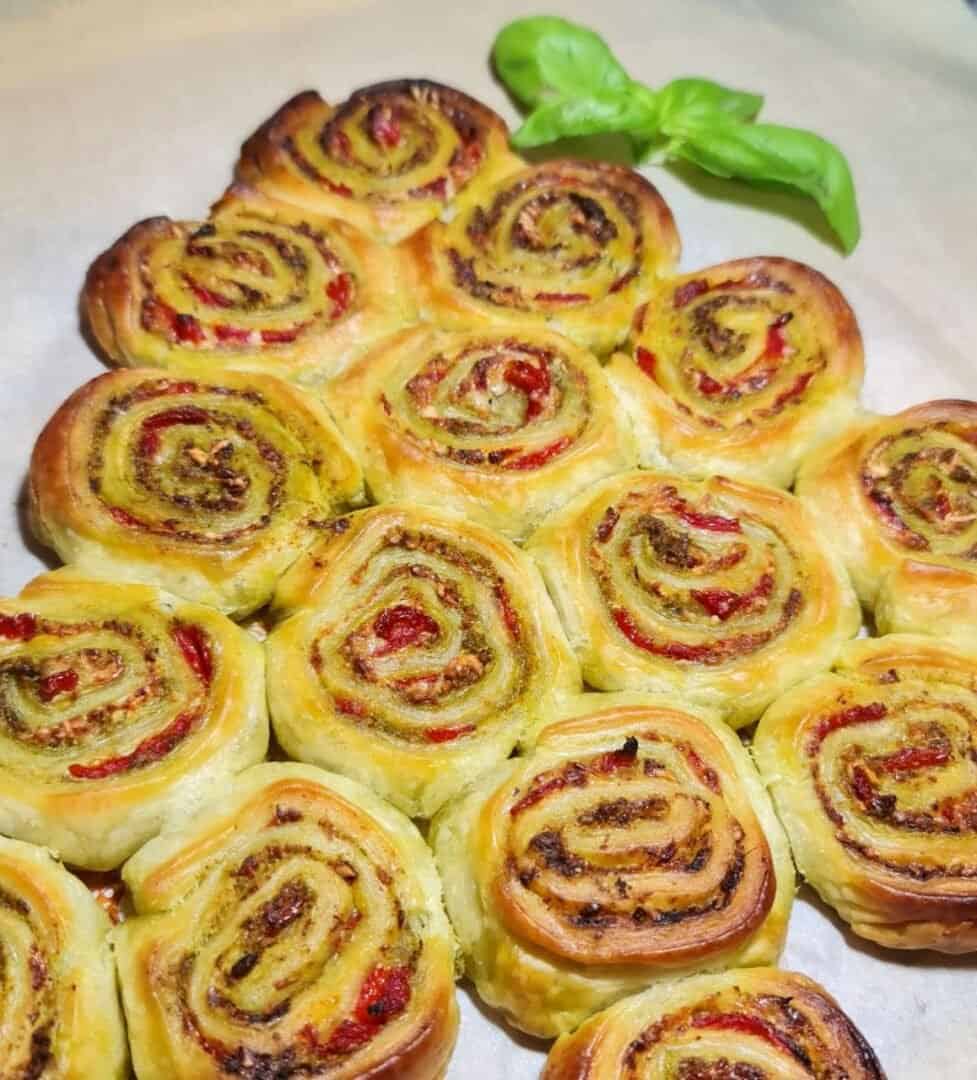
768, 152
689, 101
582, 116
544, 57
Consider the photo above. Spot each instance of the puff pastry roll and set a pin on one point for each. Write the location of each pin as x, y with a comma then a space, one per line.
741, 368
502, 424
293, 928
873, 768
738, 1025
59, 1012
258, 286
897, 487
926, 598
118, 702
388, 160
422, 649
208, 488
574, 245
634, 843
716, 589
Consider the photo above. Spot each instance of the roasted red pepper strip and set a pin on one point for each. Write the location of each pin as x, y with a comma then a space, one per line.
195, 647
448, 734
60, 682
148, 751
20, 627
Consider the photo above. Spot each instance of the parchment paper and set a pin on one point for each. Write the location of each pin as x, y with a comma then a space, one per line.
111, 111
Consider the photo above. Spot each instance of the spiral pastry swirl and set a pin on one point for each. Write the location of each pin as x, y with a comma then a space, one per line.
574, 245
421, 650
258, 286
635, 842
874, 771
59, 1014
741, 368
714, 588
118, 702
503, 425
291, 929
760, 1024
897, 487
388, 160
207, 488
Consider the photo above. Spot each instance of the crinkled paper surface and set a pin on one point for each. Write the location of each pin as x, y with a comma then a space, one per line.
111, 111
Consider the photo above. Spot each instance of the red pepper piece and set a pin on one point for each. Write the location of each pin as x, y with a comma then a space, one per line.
188, 329
448, 734
340, 292
913, 757
195, 647
539, 457
709, 386
60, 682
509, 616
232, 333
646, 361
148, 751
20, 627
533, 381
746, 1025
208, 296
349, 706
723, 603
403, 625
672, 650
857, 714
279, 337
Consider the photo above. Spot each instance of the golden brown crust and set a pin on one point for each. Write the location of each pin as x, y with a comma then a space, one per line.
571, 245
420, 649
388, 160
760, 1022
716, 589
741, 368
635, 843
119, 702
897, 487
501, 424
926, 598
258, 286
295, 925
208, 487
873, 771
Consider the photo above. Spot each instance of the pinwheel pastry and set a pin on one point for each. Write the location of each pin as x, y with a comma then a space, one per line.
635, 843
503, 424
388, 160
926, 598
423, 648
209, 488
716, 589
294, 928
574, 245
59, 1013
118, 702
741, 369
756, 1024
897, 487
258, 286
874, 771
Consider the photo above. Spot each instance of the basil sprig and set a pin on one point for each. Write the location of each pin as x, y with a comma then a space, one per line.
570, 83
